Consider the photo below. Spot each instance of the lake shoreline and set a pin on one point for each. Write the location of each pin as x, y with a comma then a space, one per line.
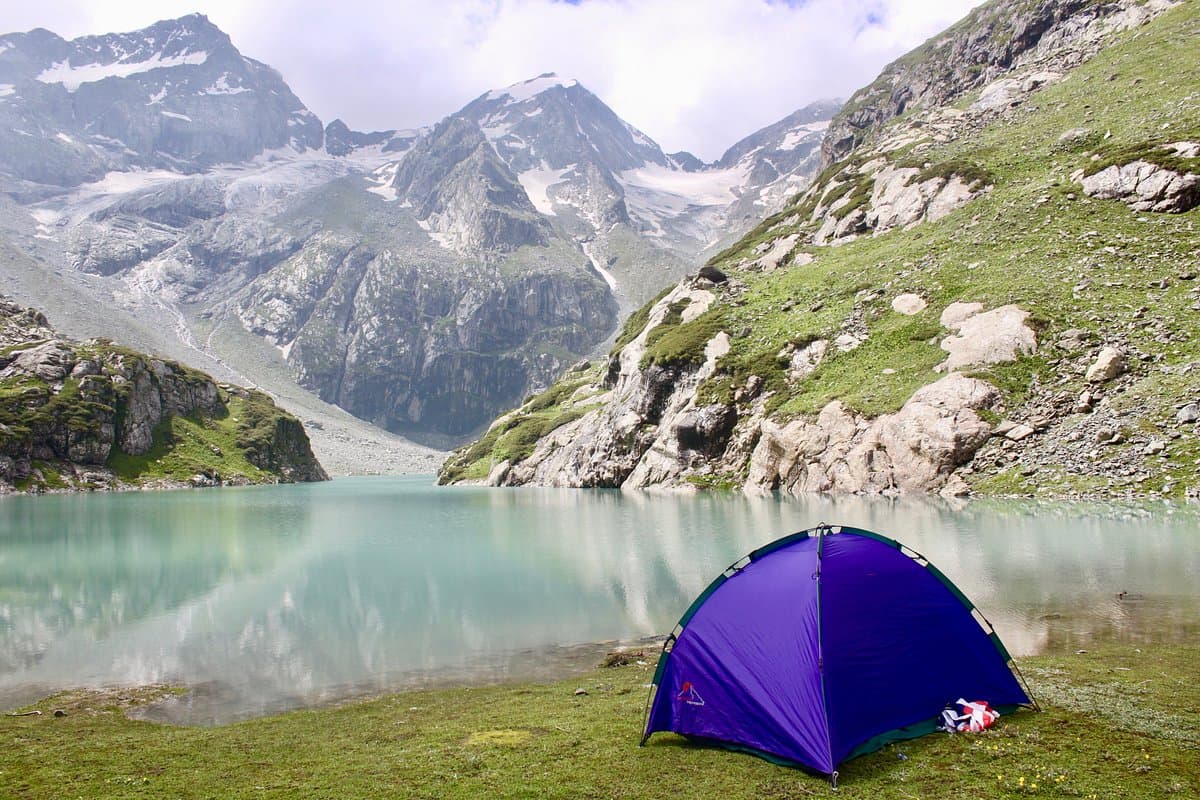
1117, 721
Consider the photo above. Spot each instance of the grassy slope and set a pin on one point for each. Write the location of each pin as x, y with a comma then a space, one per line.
1119, 723
1026, 242
185, 446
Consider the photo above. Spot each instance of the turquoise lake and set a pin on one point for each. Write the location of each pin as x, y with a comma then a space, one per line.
267, 598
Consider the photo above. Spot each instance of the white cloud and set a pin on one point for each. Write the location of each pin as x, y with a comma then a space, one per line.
696, 75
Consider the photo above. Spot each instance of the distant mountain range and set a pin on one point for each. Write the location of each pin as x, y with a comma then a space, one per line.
161, 187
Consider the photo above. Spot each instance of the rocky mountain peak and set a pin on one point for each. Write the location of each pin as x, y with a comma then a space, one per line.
524, 91
175, 95
549, 122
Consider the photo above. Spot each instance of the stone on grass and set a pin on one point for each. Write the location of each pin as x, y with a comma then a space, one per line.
1109, 363
909, 304
1019, 432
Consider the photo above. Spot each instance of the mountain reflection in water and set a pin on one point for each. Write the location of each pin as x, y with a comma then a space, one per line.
275, 597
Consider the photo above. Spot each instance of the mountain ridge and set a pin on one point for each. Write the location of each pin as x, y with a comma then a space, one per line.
977, 298
321, 240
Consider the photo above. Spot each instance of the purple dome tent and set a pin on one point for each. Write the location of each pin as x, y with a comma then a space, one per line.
825, 645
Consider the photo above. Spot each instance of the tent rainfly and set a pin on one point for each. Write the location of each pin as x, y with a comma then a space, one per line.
825, 645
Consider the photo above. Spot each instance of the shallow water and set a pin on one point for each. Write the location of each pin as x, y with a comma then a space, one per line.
268, 598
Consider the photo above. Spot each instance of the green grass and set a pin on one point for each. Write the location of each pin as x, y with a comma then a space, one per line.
682, 343
637, 321
513, 437
1118, 722
1150, 152
1027, 242
185, 446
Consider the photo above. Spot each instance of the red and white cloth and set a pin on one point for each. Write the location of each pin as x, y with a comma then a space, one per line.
976, 716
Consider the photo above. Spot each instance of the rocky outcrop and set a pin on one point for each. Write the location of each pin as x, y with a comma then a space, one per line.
1147, 186
985, 337
914, 450
879, 196
648, 424
70, 411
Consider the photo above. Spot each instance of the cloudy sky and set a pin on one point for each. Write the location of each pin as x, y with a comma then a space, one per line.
693, 74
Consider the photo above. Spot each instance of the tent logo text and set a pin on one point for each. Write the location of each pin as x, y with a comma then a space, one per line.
689, 695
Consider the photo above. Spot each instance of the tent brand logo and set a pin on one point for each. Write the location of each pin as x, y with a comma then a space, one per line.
689, 695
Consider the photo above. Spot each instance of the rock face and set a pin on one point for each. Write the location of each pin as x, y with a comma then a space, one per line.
1144, 186
899, 197
988, 337
652, 427
913, 450
69, 408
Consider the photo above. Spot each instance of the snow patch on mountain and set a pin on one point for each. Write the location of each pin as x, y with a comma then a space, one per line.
45, 219
708, 188
381, 181
520, 92
174, 115
7, 88
222, 86
801, 132
537, 183
72, 77
495, 128
609, 278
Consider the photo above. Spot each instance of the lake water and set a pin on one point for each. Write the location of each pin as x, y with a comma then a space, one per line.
268, 598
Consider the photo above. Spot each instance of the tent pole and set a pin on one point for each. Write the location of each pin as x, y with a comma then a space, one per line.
1011, 662
1020, 676
650, 693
